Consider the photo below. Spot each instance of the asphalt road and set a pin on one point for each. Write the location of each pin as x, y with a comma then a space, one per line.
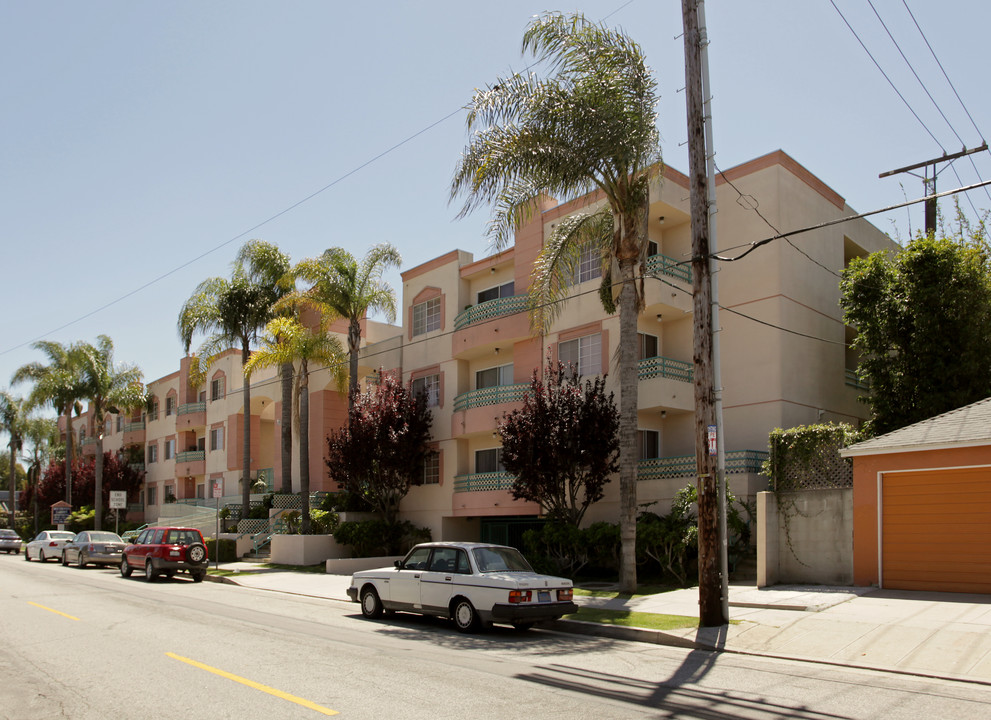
88, 644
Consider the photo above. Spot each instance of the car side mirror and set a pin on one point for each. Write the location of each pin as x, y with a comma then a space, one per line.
133, 541
398, 564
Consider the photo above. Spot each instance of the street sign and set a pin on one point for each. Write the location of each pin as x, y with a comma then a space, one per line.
218, 488
60, 512
712, 439
118, 499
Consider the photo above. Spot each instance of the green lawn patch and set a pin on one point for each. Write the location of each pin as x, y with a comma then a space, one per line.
627, 618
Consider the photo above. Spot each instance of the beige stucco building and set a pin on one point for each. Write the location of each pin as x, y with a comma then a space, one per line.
465, 340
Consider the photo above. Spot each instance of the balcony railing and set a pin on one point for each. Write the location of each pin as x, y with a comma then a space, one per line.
89, 440
490, 309
854, 381
490, 396
665, 367
190, 408
739, 461
479, 482
663, 265
191, 456
134, 426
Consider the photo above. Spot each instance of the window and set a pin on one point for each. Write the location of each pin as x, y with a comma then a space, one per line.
584, 353
201, 397
170, 449
648, 345
417, 559
494, 377
153, 452
120, 423
152, 495
507, 290
652, 248
487, 461
108, 427
428, 385
589, 265
217, 438
153, 410
648, 444
217, 388
169, 406
426, 316
200, 491
431, 469
201, 443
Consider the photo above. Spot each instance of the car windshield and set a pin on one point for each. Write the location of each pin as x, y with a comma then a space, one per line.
103, 537
181, 537
500, 559
61, 535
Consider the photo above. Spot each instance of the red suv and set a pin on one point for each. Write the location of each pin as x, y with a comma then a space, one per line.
166, 551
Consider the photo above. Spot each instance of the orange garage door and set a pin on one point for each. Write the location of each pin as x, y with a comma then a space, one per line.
936, 530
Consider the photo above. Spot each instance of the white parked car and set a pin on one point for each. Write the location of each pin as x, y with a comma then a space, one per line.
475, 584
48, 545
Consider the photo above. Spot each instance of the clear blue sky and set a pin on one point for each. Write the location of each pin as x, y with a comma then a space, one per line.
142, 139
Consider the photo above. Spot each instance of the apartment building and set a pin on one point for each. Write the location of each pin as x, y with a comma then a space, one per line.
465, 341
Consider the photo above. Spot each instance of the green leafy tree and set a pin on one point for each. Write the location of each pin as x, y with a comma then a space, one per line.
231, 313
923, 319
562, 445
12, 422
288, 341
117, 475
110, 388
58, 383
380, 454
352, 289
589, 126
269, 267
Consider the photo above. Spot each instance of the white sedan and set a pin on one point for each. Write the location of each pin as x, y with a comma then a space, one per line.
475, 584
48, 545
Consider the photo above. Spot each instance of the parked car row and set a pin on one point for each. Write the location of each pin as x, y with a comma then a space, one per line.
155, 551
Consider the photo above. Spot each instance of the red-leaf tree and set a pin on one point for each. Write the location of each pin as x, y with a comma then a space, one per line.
563, 444
117, 475
379, 455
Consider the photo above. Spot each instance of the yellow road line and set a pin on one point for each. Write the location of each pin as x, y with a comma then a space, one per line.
255, 685
52, 611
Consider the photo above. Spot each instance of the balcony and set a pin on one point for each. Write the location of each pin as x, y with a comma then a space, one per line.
490, 396
853, 380
478, 482
663, 265
665, 384
190, 415
490, 309
134, 432
665, 367
486, 495
190, 463
737, 462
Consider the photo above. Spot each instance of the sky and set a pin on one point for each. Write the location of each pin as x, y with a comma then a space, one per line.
142, 143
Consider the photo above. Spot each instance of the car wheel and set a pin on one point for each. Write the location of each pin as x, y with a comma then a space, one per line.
125, 569
465, 616
65, 559
149, 570
41, 556
81, 560
371, 606
522, 626
26, 555
196, 553
198, 576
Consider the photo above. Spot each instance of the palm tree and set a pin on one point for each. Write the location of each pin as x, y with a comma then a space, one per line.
287, 340
40, 434
59, 384
351, 290
12, 421
231, 313
270, 267
110, 388
588, 127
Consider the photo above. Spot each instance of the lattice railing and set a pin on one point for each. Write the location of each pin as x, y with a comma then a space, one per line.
665, 367
737, 462
490, 309
490, 396
479, 482
663, 265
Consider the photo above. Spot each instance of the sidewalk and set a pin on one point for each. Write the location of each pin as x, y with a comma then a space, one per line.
944, 635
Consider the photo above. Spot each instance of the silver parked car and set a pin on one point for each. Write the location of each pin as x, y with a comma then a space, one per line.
98, 548
10, 541
47, 545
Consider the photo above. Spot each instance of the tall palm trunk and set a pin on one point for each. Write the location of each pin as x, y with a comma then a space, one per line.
304, 448
628, 380
98, 481
68, 452
287, 373
354, 341
13, 483
246, 445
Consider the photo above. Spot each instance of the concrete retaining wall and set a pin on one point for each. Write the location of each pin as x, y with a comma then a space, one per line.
805, 537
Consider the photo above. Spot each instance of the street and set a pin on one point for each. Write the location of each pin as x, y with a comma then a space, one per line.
88, 644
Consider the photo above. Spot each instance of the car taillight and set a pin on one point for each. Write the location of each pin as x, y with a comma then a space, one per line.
91, 548
53, 544
519, 596
565, 594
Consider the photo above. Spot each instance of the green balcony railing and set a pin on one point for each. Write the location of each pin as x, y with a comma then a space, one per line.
479, 482
665, 367
190, 456
490, 396
490, 309
853, 380
737, 462
189, 408
663, 265
134, 426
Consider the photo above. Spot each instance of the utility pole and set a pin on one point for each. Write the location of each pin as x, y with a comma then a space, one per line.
711, 612
929, 181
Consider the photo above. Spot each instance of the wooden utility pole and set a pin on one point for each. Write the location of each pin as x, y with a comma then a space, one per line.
711, 612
